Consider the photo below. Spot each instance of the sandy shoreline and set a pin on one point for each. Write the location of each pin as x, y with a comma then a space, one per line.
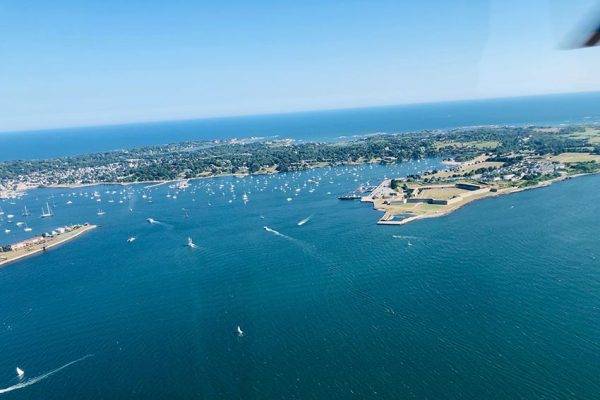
46, 246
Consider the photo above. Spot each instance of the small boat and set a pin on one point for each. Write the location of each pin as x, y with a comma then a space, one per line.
100, 212
27, 229
349, 197
7, 231
240, 332
151, 220
69, 202
131, 239
20, 372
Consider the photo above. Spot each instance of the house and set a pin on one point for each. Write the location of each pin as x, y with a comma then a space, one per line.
26, 243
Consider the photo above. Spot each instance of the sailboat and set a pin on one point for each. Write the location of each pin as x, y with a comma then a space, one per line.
20, 372
46, 213
100, 212
1, 212
191, 243
26, 212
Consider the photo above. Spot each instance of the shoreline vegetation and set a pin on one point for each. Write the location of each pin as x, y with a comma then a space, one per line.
40, 244
481, 162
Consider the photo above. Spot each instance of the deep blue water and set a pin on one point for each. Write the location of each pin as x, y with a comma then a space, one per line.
324, 125
499, 300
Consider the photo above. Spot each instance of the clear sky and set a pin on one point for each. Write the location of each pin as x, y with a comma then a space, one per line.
71, 63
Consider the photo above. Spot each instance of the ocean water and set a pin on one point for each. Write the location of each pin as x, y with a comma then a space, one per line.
499, 300
323, 125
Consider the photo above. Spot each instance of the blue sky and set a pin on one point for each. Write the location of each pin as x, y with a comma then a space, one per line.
75, 63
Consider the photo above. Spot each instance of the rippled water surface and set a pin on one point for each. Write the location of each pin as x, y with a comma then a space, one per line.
499, 300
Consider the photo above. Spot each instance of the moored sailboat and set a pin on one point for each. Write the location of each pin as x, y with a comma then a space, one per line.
46, 213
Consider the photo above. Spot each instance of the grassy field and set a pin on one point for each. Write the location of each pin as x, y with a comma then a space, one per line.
591, 134
441, 193
575, 157
464, 169
424, 208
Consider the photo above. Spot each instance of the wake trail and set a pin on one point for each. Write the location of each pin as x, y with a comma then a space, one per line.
304, 246
305, 220
31, 381
277, 233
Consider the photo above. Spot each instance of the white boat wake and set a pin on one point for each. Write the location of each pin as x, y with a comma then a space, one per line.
307, 248
277, 233
305, 220
31, 381
273, 231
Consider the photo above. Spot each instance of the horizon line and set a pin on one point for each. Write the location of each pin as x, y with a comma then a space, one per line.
279, 113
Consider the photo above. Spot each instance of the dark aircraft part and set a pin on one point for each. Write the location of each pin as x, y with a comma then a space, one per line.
593, 39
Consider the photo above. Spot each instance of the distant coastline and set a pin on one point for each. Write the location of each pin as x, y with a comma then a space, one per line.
199, 160
324, 125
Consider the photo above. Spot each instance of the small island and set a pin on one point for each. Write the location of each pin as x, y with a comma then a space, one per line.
18, 251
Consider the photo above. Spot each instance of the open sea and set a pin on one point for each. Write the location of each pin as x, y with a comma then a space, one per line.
308, 126
498, 300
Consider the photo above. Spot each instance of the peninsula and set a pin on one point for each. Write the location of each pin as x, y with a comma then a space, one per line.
493, 148
17, 251
491, 173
